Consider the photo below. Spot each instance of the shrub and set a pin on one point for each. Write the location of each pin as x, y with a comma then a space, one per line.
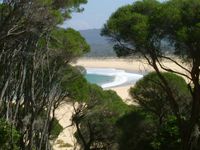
56, 129
9, 136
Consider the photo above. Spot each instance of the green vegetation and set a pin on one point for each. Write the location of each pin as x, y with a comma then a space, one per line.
136, 131
152, 125
34, 57
56, 129
9, 136
150, 94
36, 77
141, 28
96, 119
63, 144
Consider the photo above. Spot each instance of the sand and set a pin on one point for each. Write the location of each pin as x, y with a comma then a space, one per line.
66, 139
136, 65
139, 66
65, 112
132, 65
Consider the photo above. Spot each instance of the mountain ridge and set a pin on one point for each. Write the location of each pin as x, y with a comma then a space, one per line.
100, 46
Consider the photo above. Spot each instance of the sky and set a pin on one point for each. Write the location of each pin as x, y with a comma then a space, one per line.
96, 14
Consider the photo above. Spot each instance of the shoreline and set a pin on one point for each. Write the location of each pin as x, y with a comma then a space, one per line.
120, 77
64, 112
134, 65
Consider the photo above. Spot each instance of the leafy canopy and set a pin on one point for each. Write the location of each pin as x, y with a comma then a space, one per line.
149, 92
146, 23
8, 135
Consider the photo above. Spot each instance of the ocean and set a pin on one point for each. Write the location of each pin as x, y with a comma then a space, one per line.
111, 77
99, 79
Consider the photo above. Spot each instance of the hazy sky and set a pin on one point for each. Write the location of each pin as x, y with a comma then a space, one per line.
95, 14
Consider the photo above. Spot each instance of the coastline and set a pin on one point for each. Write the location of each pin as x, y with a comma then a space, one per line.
64, 112
132, 65
135, 65
120, 77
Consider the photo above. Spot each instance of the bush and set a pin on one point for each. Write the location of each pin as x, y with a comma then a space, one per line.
136, 131
154, 102
56, 129
150, 94
9, 136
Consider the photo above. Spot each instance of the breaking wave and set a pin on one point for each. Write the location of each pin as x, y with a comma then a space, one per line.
121, 77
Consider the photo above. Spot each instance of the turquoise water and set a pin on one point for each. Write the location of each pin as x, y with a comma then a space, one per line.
99, 79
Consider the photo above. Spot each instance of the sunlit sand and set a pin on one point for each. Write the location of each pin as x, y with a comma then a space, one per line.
138, 66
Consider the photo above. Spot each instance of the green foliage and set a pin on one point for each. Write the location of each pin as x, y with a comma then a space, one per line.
98, 119
116, 104
150, 93
4, 11
139, 130
45, 2
67, 8
56, 129
69, 3
42, 42
68, 43
127, 24
168, 136
75, 84
130, 26
108, 100
136, 130
97, 128
9, 136
146, 23
35, 56
58, 16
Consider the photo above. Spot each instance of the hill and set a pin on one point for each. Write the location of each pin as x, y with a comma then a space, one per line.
100, 46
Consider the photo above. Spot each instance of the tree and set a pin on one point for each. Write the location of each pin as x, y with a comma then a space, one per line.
34, 54
95, 114
97, 119
136, 130
150, 95
9, 136
141, 28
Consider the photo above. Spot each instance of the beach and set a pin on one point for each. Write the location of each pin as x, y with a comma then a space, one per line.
137, 66
66, 140
64, 113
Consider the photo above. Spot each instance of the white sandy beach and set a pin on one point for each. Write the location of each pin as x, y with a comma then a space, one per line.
64, 113
136, 66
